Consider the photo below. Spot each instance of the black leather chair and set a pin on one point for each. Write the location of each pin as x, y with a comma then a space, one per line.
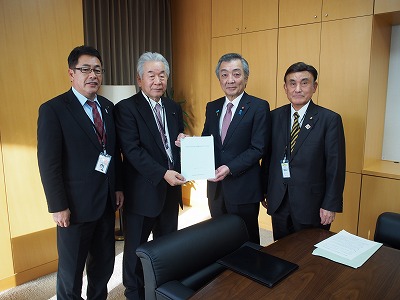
387, 230
177, 265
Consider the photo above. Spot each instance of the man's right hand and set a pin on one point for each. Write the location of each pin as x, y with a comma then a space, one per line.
62, 217
174, 178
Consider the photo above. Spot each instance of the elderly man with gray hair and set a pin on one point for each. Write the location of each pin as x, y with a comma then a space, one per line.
147, 126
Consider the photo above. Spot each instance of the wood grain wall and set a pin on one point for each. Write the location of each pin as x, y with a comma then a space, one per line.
36, 38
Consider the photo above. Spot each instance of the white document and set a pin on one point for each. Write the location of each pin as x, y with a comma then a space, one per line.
347, 249
197, 158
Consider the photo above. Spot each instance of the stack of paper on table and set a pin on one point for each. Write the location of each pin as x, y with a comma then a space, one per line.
347, 249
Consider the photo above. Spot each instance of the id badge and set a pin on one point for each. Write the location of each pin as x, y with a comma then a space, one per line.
103, 162
285, 168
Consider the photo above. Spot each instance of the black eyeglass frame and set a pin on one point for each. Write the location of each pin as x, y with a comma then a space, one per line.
88, 70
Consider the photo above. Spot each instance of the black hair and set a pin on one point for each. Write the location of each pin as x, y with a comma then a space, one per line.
300, 67
77, 52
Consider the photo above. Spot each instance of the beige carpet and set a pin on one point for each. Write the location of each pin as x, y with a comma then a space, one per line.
45, 287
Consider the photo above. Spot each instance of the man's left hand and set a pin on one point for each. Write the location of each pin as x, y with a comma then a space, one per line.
327, 217
119, 199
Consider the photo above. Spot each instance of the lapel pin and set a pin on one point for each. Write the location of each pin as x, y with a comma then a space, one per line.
241, 110
308, 126
217, 112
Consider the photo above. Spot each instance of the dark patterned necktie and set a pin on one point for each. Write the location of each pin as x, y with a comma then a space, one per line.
294, 133
226, 121
98, 122
161, 128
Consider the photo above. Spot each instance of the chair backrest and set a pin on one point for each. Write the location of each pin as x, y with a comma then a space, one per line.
189, 251
387, 229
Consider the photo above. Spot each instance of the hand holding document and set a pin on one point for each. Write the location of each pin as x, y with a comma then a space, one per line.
347, 249
197, 157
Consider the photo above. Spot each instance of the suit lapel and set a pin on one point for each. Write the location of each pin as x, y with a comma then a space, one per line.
309, 121
171, 117
146, 112
216, 114
77, 111
108, 122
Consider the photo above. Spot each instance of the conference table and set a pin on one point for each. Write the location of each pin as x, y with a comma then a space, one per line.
316, 277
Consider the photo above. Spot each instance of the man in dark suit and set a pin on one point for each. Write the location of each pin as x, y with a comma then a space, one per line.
306, 173
147, 126
77, 163
239, 144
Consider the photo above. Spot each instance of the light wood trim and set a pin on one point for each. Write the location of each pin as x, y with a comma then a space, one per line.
380, 54
42, 247
7, 268
226, 17
339, 9
28, 275
385, 6
344, 79
293, 12
348, 220
260, 15
297, 43
382, 168
219, 47
260, 51
377, 196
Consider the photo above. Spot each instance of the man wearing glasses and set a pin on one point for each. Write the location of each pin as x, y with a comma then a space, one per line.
79, 163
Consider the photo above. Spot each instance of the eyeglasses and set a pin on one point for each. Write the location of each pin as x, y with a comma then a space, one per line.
87, 70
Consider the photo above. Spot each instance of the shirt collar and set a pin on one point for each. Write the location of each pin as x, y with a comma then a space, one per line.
302, 111
82, 99
151, 101
235, 101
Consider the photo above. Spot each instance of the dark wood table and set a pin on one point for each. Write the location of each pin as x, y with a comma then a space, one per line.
316, 278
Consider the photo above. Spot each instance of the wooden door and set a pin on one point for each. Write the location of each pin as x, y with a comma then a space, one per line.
260, 15
340, 9
226, 17
294, 12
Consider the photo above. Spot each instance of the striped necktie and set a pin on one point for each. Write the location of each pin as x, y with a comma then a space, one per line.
294, 133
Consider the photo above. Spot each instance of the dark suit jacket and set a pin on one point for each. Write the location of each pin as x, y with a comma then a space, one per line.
317, 164
68, 150
144, 158
244, 145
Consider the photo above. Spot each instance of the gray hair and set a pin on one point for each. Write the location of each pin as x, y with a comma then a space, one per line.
232, 56
151, 56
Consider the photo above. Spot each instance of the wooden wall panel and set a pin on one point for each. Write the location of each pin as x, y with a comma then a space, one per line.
191, 42
219, 47
260, 51
348, 220
377, 196
6, 269
297, 43
344, 80
38, 38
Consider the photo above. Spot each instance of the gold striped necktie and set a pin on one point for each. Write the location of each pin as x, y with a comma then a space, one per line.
294, 133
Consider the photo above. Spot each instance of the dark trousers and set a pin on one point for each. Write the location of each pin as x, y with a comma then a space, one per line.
90, 243
248, 212
137, 231
283, 224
